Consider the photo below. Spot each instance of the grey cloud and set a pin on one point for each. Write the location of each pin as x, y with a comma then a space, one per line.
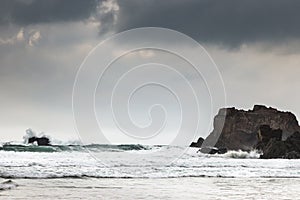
25, 12
36, 82
230, 23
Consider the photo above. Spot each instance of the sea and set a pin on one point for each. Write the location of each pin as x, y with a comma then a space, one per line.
131, 171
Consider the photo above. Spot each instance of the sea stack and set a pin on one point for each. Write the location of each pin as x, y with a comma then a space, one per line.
242, 130
41, 141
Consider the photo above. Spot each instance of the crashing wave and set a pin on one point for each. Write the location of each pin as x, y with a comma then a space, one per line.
30, 144
29, 134
53, 141
80, 148
242, 154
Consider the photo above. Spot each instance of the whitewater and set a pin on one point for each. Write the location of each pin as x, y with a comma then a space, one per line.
142, 172
137, 161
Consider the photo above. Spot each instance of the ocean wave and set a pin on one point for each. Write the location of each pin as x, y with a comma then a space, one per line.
243, 154
77, 164
83, 176
81, 148
54, 141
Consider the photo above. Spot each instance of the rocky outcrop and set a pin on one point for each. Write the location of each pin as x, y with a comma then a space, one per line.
212, 150
265, 134
207, 149
276, 148
239, 129
198, 143
42, 141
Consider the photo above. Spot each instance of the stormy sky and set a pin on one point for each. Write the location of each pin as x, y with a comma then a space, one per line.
255, 45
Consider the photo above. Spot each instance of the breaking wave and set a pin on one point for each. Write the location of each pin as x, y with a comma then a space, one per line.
242, 154
30, 133
65, 146
61, 148
132, 161
19, 160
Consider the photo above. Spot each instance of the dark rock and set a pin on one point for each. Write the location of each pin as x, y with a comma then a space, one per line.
222, 150
198, 143
209, 150
275, 133
206, 149
42, 141
213, 150
289, 149
295, 138
265, 133
293, 143
238, 129
274, 149
292, 155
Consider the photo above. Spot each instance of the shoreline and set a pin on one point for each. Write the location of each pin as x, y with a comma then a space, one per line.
180, 188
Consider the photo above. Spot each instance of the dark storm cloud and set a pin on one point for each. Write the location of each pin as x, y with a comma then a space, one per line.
227, 22
25, 12
230, 22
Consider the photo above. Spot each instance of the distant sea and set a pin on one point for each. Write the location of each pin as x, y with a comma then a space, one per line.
132, 172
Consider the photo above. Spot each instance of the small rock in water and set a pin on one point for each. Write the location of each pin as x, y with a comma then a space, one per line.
7, 185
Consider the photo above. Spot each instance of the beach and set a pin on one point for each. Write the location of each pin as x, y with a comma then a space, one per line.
157, 188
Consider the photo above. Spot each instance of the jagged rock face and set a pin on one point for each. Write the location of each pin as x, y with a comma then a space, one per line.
289, 149
237, 129
265, 134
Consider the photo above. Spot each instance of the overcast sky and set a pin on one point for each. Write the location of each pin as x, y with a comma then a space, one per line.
254, 43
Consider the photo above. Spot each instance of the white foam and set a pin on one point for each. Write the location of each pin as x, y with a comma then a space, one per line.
242, 154
30, 133
123, 165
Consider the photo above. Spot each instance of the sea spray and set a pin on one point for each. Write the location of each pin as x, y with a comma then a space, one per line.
242, 154
54, 141
29, 133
